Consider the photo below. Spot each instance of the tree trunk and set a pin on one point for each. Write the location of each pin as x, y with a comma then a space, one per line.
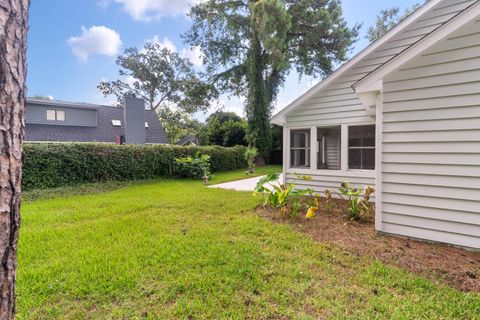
258, 108
13, 45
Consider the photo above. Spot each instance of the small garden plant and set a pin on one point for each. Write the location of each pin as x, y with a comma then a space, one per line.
359, 207
283, 196
197, 167
251, 154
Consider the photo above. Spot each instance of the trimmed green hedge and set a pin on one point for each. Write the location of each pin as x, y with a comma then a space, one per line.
55, 165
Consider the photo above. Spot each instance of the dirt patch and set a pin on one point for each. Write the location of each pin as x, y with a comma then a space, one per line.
456, 267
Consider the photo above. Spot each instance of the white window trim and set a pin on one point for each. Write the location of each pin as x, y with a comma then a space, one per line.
289, 149
55, 115
344, 171
348, 148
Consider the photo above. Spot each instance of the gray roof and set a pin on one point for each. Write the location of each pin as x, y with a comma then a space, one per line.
103, 132
186, 139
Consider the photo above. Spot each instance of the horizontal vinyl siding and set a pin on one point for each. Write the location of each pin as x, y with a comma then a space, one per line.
338, 104
431, 146
37, 114
321, 183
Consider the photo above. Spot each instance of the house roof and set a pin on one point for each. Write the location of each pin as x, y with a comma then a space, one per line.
187, 139
279, 117
371, 81
61, 103
103, 132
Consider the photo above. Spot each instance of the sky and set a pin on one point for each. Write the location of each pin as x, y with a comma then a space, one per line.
73, 44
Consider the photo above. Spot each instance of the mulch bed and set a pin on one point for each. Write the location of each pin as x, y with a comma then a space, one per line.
445, 264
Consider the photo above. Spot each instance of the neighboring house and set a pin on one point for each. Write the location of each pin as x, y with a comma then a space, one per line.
188, 141
60, 121
403, 115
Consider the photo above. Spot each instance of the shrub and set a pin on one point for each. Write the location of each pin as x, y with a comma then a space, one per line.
55, 165
283, 196
197, 167
358, 207
250, 156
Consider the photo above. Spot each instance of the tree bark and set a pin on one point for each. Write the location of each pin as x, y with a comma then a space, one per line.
13, 47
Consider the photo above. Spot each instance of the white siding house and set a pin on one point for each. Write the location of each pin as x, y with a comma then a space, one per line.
403, 115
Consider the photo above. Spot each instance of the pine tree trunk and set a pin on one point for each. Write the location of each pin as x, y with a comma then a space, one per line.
13, 45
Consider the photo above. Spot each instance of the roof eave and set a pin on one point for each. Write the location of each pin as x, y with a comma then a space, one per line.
277, 118
371, 82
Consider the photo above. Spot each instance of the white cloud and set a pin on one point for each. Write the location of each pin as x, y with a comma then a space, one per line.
165, 43
194, 54
147, 10
96, 40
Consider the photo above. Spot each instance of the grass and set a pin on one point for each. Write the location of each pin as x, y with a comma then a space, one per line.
176, 250
240, 174
85, 189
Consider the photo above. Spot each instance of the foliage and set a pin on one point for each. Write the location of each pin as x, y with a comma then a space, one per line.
282, 196
251, 46
359, 206
178, 124
251, 154
328, 201
225, 129
54, 165
386, 20
197, 167
162, 78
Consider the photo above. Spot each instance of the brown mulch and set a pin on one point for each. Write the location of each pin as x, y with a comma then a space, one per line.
449, 265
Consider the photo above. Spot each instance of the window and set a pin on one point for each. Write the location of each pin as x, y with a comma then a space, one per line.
300, 148
329, 146
51, 115
55, 115
116, 123
60, 115
361, 147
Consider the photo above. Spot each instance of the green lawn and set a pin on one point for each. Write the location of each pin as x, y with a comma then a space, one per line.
176, 250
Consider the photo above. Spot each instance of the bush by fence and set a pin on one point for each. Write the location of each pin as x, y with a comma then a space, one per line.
55, 165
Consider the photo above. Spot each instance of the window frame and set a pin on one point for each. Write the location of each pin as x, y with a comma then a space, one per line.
308, 149
55, 113
318, 147
374, 148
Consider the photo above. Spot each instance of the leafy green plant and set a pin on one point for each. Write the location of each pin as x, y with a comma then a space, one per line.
250, 155
328, 201
282, 196
197, 167
44, 164
359, 206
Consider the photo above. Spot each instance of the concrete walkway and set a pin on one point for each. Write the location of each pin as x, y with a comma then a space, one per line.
240, 185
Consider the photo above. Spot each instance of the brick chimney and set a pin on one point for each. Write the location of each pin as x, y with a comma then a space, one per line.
134, 115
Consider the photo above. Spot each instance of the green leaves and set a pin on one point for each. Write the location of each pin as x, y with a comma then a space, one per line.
250, 47
55, 165
162, 78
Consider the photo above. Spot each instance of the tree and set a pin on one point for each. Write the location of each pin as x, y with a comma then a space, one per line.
162, 78
386, 20
178, 124
225, 129
250, 47
13, 69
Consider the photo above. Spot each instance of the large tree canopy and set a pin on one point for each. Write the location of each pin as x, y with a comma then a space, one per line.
225, 129
251, 46
161, 77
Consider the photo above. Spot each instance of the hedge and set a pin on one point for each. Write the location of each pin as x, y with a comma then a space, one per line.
55, 165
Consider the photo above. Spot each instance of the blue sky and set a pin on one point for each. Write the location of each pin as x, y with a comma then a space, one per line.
73, 44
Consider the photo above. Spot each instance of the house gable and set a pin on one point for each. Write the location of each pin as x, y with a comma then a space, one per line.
333, 100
